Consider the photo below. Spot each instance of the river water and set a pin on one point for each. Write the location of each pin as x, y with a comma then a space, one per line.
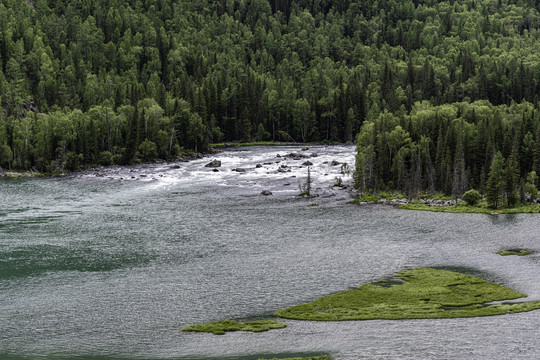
112, 264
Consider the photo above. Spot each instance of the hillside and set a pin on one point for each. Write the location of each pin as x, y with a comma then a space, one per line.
99, 82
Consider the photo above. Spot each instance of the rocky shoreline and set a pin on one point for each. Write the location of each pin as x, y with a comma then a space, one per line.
405, 201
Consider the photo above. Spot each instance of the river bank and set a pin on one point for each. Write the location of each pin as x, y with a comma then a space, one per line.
441, 203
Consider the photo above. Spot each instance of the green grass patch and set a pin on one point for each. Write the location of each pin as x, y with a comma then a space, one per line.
424, 294
223, 326
518, 252
481, 208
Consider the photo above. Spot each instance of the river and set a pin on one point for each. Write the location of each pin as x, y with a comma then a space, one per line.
113, 263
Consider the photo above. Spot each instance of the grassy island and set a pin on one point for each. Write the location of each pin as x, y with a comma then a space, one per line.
518, 252
223, 326
421, 294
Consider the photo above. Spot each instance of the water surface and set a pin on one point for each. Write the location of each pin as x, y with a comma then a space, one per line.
114, 263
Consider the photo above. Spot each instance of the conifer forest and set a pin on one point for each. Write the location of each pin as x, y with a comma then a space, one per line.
439, 96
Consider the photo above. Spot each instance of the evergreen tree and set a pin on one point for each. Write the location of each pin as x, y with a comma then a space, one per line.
496, 183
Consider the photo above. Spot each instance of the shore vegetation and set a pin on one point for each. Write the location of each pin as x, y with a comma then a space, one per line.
224, 326
422, 293
481, 208
518, 252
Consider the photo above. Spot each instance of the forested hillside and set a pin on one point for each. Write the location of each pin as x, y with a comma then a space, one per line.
104, 81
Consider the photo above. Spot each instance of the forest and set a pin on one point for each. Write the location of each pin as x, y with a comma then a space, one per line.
101, 82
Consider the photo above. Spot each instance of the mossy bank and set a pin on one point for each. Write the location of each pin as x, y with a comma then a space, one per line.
423, 294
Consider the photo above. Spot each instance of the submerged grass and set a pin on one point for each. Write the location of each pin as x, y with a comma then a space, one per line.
518, 252
424, 294
223, 326
482, 208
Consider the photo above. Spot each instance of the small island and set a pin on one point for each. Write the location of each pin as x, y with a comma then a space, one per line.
423, 293
518, 252
223, 326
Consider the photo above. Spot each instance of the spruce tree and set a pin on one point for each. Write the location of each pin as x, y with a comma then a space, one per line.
496, 182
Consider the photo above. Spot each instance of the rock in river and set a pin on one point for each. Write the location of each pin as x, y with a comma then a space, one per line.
213, 163
266, 192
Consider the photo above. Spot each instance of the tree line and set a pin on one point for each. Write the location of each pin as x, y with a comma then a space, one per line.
105, 81
453, 148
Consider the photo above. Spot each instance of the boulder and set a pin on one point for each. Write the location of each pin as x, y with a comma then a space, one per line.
334, 163
266, 192
296, 156
305, 149
258, 166
175, 167
240, 170
307, 163
314, 155
215, 170
213, 163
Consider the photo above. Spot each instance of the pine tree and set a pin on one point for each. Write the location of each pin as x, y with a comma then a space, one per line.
497, 181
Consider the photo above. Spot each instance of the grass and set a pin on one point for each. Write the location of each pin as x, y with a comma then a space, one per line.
518, 252
223, 326
423, 294
481, 208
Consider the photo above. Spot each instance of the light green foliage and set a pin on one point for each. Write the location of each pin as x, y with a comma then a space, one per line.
223, 326
472, 197
148, 150
530, 186
425, 293
518, 252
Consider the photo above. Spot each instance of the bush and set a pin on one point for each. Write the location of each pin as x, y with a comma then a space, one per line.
472, 197
105, 158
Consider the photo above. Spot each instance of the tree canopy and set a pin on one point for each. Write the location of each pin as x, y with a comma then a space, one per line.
105, 81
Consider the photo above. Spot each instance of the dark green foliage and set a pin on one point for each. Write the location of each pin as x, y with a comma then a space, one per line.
472, 197
184, 74
496, 182
448, 148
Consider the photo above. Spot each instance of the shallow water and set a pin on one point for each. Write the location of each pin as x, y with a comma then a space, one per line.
114, 263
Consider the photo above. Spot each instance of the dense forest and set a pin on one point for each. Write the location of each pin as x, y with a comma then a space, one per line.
87, 82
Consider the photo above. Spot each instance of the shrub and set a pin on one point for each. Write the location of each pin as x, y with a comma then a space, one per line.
472, 197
